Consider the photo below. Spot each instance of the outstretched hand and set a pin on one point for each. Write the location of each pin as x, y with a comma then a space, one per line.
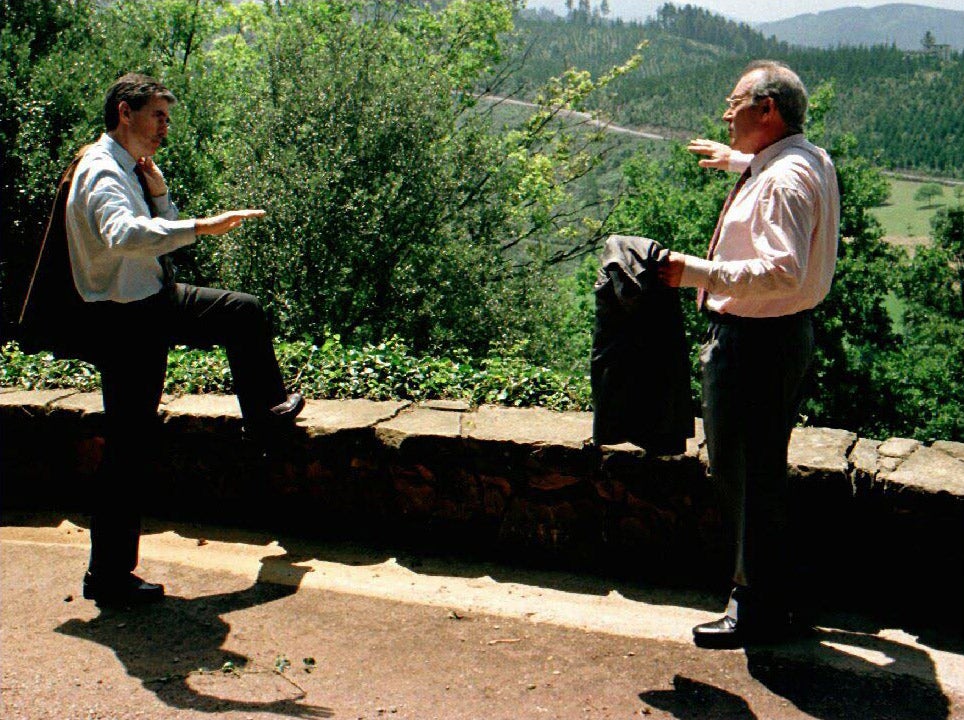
225, 222
717, 154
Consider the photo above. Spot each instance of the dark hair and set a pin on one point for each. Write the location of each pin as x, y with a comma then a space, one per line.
135, 90
779, 82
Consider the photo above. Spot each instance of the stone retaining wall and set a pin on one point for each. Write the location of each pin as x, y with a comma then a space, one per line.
884, 519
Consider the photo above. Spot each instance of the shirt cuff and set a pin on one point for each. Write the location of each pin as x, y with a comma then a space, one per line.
696, 272
738, 161
164, 207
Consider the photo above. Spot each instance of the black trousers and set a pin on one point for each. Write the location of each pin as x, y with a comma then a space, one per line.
133, 341
753, 377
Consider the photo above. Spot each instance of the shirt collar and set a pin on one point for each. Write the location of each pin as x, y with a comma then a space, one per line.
117, 151
763, 158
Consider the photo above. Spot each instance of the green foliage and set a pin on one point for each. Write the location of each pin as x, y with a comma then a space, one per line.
928, 368
928, 192
897, 102
43, 371
408, 220
395, 208
384, 371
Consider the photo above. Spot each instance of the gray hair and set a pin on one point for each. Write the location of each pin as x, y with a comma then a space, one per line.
776, 80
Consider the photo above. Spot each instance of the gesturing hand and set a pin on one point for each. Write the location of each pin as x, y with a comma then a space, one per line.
225, 222
717, 154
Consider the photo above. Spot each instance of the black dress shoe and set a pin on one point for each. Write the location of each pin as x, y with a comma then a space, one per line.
719, 634
289, 409
727, 633
125, 591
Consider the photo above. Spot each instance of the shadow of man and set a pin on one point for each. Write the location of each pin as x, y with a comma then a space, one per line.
189, 633
840, 675
693, 700
830, 675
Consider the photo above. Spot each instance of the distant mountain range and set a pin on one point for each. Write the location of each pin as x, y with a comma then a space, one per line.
902, 24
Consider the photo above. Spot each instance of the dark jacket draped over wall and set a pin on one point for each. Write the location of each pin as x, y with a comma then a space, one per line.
640, 358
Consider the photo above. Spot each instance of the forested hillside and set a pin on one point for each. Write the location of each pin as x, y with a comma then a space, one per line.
903, 107
902, 24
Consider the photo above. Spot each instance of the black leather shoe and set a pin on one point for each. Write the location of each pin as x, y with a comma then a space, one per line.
727, 633
719, 634
125, 591
289, 409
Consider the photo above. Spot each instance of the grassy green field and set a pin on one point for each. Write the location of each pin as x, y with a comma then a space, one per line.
905, 217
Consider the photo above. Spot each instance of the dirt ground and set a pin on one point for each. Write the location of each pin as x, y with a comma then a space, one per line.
254, 627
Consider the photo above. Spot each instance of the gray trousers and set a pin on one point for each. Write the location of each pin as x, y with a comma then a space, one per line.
753, 376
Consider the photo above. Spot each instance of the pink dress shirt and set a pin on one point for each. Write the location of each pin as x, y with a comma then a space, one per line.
778, 242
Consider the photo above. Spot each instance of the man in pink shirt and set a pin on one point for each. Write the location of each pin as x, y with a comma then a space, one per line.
770, 261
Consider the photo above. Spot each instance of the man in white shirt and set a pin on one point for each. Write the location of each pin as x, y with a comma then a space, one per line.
770, 261
120, 225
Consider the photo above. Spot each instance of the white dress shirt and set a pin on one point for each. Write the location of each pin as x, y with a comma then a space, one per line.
114, 242
778, 243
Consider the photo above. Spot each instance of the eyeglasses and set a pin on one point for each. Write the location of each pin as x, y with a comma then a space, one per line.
734, 101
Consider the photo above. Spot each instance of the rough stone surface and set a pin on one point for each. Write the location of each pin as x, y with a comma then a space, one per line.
201, 413
820, 448
529, 426
327, 417
203, 406
866, 463
32, 400
419, 422
929, 471
83, 403
898, 447
954, 449
450, 405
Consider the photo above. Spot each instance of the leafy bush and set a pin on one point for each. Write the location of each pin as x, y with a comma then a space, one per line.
384, 371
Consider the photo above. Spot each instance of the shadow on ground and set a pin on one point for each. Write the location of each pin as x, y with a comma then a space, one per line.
830, 675
189, 634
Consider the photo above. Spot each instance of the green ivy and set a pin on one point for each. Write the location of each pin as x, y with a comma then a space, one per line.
384, 371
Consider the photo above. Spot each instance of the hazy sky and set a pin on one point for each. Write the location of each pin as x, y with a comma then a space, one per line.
739, 9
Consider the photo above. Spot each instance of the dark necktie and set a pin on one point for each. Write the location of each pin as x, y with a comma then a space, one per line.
714, 241
167, 261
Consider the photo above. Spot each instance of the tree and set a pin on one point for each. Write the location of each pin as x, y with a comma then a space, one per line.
397, 204
948, 231
928, 192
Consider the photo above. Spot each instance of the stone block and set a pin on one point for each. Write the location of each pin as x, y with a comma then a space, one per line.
865, 461
528, 426
419, 422
447, 405
818, 459
331, 417
929, 480
954, 449
900, 448
83, 404
202, 413
31, 402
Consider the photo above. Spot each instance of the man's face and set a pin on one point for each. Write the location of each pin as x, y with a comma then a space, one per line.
147, 127
746, 121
